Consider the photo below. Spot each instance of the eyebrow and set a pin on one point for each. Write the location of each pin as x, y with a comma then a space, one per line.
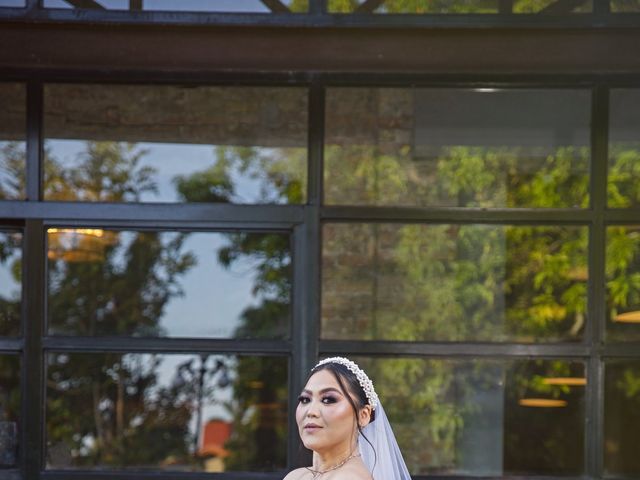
324, 390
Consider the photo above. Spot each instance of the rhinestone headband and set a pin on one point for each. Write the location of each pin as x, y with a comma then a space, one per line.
363, 380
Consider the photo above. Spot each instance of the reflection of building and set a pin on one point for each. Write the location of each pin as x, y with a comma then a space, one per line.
216, 433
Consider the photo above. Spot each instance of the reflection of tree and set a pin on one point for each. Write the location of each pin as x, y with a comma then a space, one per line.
121, 289
534, 277
10, 245
258, 441
13, 166
450, 282
442, 6
104, 172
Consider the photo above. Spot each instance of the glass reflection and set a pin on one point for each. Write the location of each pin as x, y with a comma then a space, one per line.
446, 412
203, 412
9, 409
457, 148
149, 283
13, 3
10, 283
239, 6
454, 282
622, 417
623, 283
625, 6
124, 143
419, 7
13, 126
623, 179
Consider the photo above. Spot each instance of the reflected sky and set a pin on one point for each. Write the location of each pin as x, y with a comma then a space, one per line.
212, 302
186, 315
9, 287
168, 160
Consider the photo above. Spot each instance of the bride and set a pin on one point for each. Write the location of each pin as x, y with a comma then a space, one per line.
341, 420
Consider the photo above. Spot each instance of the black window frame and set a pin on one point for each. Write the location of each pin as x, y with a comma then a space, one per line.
304, 222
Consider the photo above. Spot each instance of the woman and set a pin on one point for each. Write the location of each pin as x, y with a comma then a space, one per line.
341, 420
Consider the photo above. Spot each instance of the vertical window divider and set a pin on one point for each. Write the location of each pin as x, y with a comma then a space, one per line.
32, 450
34, 141
306, 260
318, 7
594, 417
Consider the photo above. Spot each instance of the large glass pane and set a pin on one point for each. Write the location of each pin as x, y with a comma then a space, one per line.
13, 3
126, 143
238, 6
10, 282
418, 7
484, 417
623, 183
9, 410
458, 148
622, 418
147, 283
210, 413
623, 283
454, 282
13, 145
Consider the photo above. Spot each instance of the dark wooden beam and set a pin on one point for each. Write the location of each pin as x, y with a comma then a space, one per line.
166, 49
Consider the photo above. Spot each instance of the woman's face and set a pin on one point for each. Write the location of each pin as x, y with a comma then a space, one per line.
325, 417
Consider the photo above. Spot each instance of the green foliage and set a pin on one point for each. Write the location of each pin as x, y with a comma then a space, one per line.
104, 172
14, 166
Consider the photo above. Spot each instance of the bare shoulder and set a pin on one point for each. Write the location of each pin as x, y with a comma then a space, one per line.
296, 474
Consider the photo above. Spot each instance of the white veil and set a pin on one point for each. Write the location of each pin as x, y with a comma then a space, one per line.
384, 460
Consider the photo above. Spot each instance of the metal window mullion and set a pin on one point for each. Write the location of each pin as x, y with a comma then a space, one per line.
33, 401
265, 216
454, 349
34, 141
317, 7
601, 9
10, 475
306, 261
128, 344
515, 216
594, 418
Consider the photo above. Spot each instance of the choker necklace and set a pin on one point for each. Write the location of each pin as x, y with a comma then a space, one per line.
317, 473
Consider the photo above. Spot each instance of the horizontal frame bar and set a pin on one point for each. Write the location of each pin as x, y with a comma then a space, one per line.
155, 213
165, 345
10, 345
621, 216
489, 20
327, 79
10, 475
457, 215
432, 349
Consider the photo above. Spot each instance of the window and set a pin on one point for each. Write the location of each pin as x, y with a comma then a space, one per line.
189, 250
